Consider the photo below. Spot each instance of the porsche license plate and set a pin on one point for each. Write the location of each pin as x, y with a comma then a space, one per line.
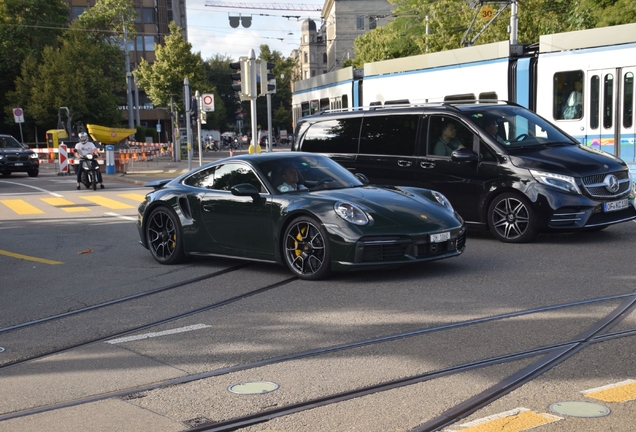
440, 237
615, 205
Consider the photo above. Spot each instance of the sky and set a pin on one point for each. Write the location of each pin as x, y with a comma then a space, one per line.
210, 33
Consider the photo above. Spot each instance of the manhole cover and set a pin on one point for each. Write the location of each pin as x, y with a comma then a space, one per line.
580, 409
254, 387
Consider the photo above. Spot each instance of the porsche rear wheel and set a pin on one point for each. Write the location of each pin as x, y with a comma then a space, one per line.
163, 236
306, 249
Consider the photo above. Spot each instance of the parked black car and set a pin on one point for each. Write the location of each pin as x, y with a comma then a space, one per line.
501, 166
16, 157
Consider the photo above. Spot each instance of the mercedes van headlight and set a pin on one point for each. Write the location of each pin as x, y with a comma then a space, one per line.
559, 181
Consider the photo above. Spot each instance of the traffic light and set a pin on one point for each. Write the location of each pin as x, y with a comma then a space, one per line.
241, 79
268, 79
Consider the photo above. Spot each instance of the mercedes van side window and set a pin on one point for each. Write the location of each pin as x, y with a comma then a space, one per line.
333, 136
446, 134
392, 135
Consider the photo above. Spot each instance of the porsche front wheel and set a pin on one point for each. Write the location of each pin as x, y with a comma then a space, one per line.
306, 249
163, 236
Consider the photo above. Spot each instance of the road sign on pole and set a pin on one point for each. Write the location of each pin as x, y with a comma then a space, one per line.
18, 115
207, 101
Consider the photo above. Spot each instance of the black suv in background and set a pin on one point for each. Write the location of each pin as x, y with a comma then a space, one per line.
16, 157
501, 166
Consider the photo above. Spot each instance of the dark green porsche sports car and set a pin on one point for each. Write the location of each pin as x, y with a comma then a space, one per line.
297, 209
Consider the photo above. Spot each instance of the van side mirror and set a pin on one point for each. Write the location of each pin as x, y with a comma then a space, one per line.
464, 155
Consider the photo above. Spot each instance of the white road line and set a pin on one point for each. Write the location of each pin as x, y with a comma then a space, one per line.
157, 334
121, 216
33, 187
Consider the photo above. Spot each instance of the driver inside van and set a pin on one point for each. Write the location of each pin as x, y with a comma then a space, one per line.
447, 141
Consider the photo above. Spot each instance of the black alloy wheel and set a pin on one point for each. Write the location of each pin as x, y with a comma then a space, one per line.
306, 249
511, 219
33, 173
163, 236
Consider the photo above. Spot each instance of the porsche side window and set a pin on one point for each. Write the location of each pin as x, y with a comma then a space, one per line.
231, 174
201, 179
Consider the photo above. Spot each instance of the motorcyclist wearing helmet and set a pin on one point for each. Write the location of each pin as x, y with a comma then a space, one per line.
82, 148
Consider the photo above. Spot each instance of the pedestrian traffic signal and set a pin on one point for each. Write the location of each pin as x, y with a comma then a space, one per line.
268, 79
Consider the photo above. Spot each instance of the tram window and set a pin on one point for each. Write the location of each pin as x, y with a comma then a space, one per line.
595, 90
324, 104
304, 107
608, 105
468, 97
389, 135
628, 100
568, 95
333, 136
345, 101
488, 96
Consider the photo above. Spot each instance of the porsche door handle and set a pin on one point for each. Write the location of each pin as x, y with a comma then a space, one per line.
427, 165
404, 163
208, 208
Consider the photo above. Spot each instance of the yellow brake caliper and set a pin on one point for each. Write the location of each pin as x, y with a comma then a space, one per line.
299, 236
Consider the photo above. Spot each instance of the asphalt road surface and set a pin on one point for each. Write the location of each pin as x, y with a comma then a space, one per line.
95, 335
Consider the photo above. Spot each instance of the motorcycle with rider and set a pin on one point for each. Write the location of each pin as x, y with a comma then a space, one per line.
87, 166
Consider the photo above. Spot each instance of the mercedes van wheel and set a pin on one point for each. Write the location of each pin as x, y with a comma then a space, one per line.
511, 219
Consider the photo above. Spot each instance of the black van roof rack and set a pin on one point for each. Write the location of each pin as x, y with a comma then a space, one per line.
388, 105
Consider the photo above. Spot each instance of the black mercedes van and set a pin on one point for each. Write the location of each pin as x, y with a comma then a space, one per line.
502, 166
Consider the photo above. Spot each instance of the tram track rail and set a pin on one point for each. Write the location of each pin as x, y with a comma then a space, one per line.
128, 331
554, 354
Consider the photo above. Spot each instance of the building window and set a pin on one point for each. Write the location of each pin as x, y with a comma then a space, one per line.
313, 73
140, 43
305, 57
360, 22
373, 23
313, 57
306, 74
149, 15
149, 43
170, 16
138, 17
324, 57
76, 11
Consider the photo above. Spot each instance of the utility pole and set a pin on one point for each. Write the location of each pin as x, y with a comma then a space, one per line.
138, 121
197, 98
251, 57
128, 80
186, 98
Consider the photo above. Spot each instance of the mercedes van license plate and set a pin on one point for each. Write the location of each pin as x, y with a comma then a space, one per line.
615, 205
440, 237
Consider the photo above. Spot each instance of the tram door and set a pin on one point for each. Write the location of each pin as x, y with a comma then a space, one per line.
611, 107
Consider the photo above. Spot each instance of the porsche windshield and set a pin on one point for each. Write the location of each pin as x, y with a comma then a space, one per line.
312, 171
516, 127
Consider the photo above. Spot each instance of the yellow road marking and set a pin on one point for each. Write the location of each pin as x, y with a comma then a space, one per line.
618, 392
21, 207
107, 202
134, 197
29, 258
59, 202
516, 420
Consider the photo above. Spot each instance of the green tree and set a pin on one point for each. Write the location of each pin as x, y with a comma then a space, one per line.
108, 18
25, 29
450, 20
82, 74
217, 72
174, 62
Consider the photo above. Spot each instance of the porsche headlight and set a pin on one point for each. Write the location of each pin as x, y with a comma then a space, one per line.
351, 213
442, 200
563, 182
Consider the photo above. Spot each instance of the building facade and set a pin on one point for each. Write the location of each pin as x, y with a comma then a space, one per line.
345, 20
153, 18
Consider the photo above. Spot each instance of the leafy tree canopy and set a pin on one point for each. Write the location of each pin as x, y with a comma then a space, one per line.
108, 18
174, 62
